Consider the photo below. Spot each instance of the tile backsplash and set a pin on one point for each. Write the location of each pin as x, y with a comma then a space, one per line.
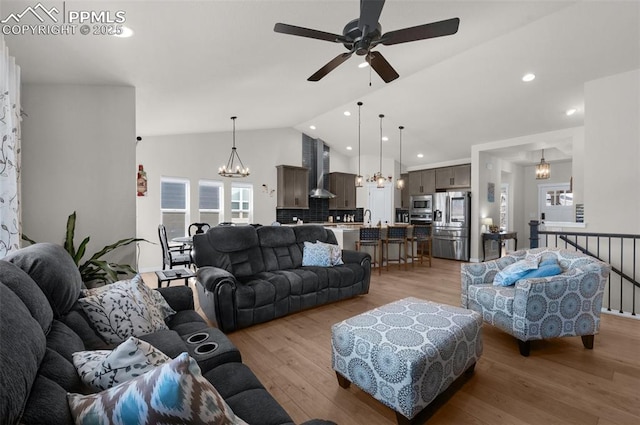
318, 212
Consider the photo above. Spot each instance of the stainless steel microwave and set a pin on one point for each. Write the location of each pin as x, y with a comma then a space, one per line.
421, 204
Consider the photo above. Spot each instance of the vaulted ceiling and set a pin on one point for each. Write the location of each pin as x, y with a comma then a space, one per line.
196, 63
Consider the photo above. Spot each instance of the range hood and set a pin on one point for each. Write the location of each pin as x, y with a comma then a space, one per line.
317, 169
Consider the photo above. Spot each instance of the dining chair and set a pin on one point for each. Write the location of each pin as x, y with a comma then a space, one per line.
396, 235
370, 236
421, 237
172, 256
197, 228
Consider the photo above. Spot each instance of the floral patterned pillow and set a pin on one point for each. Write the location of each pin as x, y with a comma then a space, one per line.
175, 392
161, 303
123, 309
103, 369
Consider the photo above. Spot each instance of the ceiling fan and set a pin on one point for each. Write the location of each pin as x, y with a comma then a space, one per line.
361, 35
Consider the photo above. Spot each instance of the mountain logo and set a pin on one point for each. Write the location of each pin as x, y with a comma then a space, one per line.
38, 11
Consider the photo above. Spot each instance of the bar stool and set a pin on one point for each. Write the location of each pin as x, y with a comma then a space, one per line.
421, 235
370, 236
396, 235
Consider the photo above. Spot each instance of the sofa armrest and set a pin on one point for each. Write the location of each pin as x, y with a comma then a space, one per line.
179, 298
358, 257
211, 277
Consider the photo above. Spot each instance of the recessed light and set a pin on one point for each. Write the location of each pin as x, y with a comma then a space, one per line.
347, 113
385, 139
528, 77
571, 111
126, 32
363, 65
312, 127
420, 155
349, 148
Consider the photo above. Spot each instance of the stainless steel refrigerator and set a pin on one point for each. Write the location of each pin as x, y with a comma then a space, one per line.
451, 225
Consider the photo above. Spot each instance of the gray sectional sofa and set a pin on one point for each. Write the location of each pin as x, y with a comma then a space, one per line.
250, 275
41, 326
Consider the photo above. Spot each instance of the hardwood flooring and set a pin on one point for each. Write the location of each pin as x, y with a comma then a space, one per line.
559, 383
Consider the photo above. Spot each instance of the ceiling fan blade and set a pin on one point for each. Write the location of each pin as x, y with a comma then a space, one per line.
421, 32
333, 64
370, 11
382, 67
309, 33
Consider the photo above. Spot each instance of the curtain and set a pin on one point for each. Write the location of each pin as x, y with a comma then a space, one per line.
10, 118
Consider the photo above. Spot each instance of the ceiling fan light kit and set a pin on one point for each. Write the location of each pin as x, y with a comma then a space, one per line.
361, 35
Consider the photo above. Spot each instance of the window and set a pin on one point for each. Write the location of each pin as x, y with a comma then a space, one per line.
241, 203
174, 205
504, 206
210, 196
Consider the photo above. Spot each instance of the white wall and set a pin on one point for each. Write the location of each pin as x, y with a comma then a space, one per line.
612, 154
198, 156
78, 154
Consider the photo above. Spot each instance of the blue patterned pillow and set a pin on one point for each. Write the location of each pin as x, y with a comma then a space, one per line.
103, 369
175, 392
515, 271
316, 254
547, 268
335, 253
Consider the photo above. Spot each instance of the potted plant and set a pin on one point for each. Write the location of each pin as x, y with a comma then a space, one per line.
95, 271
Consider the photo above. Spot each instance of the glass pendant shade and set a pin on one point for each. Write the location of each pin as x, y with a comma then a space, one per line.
359, 176
234, 167
400, 180
380, 179
543, 171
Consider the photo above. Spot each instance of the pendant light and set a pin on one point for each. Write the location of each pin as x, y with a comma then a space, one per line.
234, 168
400, 180
542, 170
359, 176
380, 180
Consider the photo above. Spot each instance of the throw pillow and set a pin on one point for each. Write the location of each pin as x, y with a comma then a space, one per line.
160, 302
515, 271
175, 392
547, 268
105, 368
335, 253
315, 254
122, 310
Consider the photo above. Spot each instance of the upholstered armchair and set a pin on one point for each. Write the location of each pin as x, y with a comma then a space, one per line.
567, 304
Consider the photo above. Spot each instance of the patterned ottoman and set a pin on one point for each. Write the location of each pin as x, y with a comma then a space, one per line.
407, 352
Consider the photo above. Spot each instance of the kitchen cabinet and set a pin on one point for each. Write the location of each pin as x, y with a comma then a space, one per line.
422, 182
405, 193
453, 177
293, 187
343, 185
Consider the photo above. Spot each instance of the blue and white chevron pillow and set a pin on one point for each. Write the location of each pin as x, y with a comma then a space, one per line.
175, 392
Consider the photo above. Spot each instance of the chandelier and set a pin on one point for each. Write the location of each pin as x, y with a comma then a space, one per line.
400, 180
359, 176
234, 167
380, 179
542, 170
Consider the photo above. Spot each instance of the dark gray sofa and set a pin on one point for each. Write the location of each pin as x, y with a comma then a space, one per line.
250, 275
41, 326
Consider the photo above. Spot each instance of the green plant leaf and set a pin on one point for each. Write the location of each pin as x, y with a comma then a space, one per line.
109, 248
71, 229
81, 250
28, 239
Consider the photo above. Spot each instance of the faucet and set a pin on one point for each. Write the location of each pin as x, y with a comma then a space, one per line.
365, 214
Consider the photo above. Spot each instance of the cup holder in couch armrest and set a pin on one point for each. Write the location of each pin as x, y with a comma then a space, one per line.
206, 348
197, 338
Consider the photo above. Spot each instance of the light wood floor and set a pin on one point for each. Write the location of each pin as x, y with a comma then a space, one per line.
560, 383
